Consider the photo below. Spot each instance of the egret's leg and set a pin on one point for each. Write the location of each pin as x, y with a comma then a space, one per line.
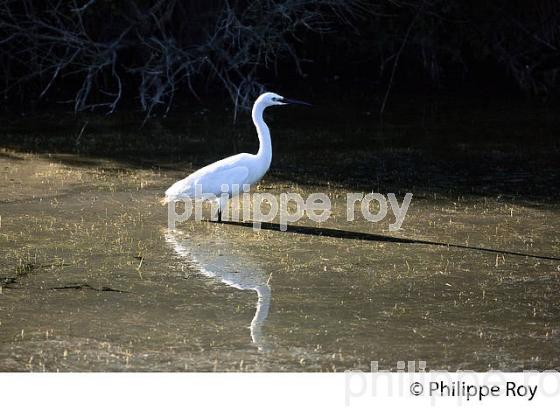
216, 210
222, 203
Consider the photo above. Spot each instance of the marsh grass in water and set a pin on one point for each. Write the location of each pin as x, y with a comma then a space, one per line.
89, 281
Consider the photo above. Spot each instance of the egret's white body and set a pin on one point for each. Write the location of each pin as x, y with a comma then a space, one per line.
233, 172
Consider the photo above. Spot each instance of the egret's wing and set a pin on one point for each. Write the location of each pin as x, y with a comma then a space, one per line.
212, 182
232, 170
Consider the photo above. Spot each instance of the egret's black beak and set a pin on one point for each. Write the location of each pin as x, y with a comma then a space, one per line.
288, 101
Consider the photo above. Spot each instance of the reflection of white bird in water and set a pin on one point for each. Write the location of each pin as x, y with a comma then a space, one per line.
234, 269
234, 171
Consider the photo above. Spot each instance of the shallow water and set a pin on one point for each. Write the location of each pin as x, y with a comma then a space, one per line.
93, 280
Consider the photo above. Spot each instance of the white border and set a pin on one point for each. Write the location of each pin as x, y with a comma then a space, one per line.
261, 391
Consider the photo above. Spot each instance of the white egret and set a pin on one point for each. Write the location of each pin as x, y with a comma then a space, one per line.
234, 171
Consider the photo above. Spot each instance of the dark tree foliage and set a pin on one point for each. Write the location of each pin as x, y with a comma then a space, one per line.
101, 54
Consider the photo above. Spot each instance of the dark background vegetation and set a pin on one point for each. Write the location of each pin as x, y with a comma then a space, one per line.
153, 55
448, 96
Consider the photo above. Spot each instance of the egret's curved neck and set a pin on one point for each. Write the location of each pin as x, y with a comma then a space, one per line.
265, 145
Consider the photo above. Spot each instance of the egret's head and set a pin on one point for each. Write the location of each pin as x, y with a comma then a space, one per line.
268, 99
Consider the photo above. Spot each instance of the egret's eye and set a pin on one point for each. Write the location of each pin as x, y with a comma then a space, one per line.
275, 99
